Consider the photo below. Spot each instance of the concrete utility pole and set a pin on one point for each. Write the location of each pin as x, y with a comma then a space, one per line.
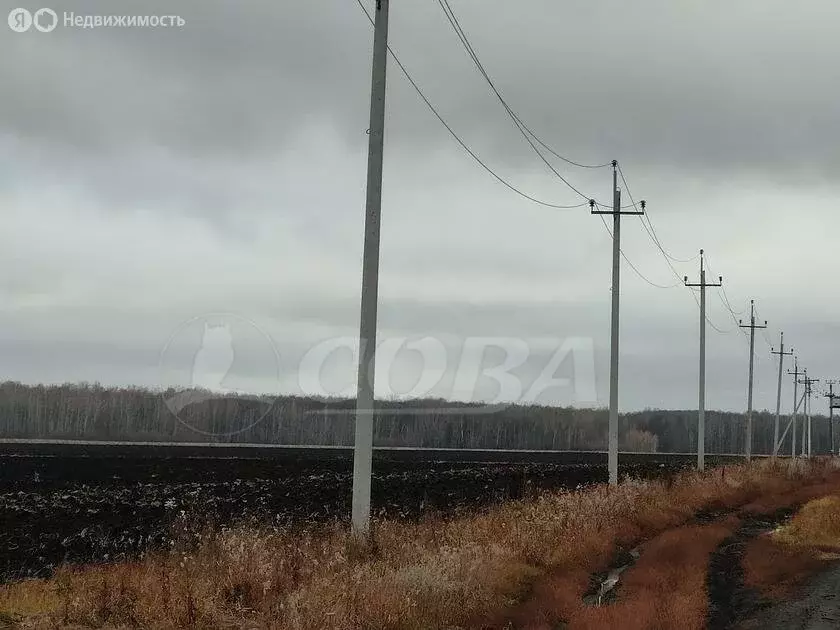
612, 451
363, 445
701, 414
795, 374
782, 354
831, 406
806, 427
752, 326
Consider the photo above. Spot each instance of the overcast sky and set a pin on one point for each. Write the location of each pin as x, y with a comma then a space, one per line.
150, 177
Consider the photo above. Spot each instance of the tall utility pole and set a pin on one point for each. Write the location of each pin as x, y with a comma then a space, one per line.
806, 427
831, 406
363, 445
612, 451
809, 391
795, 374
752, 326
782, 354
701, 414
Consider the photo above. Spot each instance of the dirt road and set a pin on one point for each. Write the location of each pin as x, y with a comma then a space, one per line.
817, 609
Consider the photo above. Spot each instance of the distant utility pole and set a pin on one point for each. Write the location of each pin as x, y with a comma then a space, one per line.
363, 445
612, 451
831, 406
782, 354
701, 417
752, 326
795, 374
806, 428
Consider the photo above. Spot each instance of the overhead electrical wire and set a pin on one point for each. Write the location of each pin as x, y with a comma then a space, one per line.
724, 299
764, 332
651, 232
668, 257
531, 138
708, 320
632, 266
517, 121
458, 139
658, 244
731, 314
646, 219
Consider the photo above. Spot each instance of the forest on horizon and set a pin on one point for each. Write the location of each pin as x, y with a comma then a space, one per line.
93, 412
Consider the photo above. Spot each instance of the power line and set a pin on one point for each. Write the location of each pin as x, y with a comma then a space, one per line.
764, 333
709, 321
527, 133
520, 126
724, 298
733, 314
729, 312
654, 238
632, 266
457, 138
729, 309
652, 232
662, 248
462, 35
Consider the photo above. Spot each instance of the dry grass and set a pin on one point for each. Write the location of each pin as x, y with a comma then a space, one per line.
528, 562
816, 525
667, 587
778, 563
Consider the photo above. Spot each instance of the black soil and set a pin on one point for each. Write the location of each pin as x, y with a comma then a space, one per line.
80, 510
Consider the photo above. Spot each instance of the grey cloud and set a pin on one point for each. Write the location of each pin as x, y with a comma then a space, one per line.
151, 175
746, 88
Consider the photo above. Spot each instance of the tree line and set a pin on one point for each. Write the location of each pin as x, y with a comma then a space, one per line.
93, 412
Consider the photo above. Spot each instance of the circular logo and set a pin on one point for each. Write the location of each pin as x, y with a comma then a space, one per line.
45, 20
20, 20
221, 374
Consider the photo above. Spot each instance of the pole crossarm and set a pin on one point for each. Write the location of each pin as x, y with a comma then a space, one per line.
592, 209
753, 327
806, 429
795, 374
616, 212
703, 284
831, 407
782, 354
701, 403
808, 383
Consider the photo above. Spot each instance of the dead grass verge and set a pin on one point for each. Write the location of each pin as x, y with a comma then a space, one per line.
816, 525
528, 562
666, 588
777, 564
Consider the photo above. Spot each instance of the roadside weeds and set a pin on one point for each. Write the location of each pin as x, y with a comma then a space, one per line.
525, 563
